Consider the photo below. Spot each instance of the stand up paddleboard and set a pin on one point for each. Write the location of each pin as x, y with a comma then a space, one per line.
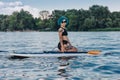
51, 54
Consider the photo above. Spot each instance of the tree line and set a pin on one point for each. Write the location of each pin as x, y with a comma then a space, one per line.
96, 18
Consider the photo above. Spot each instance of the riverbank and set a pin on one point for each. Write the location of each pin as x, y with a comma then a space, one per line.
107, 29
96, 30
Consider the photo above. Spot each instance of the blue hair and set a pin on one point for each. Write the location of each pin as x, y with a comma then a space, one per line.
61, 19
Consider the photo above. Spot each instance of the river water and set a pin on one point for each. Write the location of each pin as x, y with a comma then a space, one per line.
105, 66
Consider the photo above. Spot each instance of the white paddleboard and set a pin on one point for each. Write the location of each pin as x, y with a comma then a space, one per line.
46, 54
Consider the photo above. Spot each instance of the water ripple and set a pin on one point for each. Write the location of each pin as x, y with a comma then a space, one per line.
85, 67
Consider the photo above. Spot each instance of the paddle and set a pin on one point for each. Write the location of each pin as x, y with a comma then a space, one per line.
94, 52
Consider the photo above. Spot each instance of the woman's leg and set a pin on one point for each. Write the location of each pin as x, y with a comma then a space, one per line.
72, 49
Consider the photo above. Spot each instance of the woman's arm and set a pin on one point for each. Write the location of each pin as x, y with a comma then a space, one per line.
61, 39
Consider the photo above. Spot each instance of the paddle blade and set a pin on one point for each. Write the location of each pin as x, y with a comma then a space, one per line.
94, 52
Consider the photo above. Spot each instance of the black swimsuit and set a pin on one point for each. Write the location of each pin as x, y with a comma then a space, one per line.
64, 33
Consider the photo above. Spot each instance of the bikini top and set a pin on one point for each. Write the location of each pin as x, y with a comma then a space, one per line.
64, 33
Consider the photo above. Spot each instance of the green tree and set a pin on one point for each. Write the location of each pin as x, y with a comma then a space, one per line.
56, 14
115, 16
99, 12
89, 24
3, 22
73, 19
83, 14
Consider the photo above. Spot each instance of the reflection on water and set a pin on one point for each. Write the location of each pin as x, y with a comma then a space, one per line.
64, 66
85, 67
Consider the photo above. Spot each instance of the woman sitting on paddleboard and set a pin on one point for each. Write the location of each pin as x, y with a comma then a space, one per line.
64, 45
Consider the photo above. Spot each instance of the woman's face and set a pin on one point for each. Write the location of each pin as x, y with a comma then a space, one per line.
63, 23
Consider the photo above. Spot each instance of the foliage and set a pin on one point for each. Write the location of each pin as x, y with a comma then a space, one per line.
96, 18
